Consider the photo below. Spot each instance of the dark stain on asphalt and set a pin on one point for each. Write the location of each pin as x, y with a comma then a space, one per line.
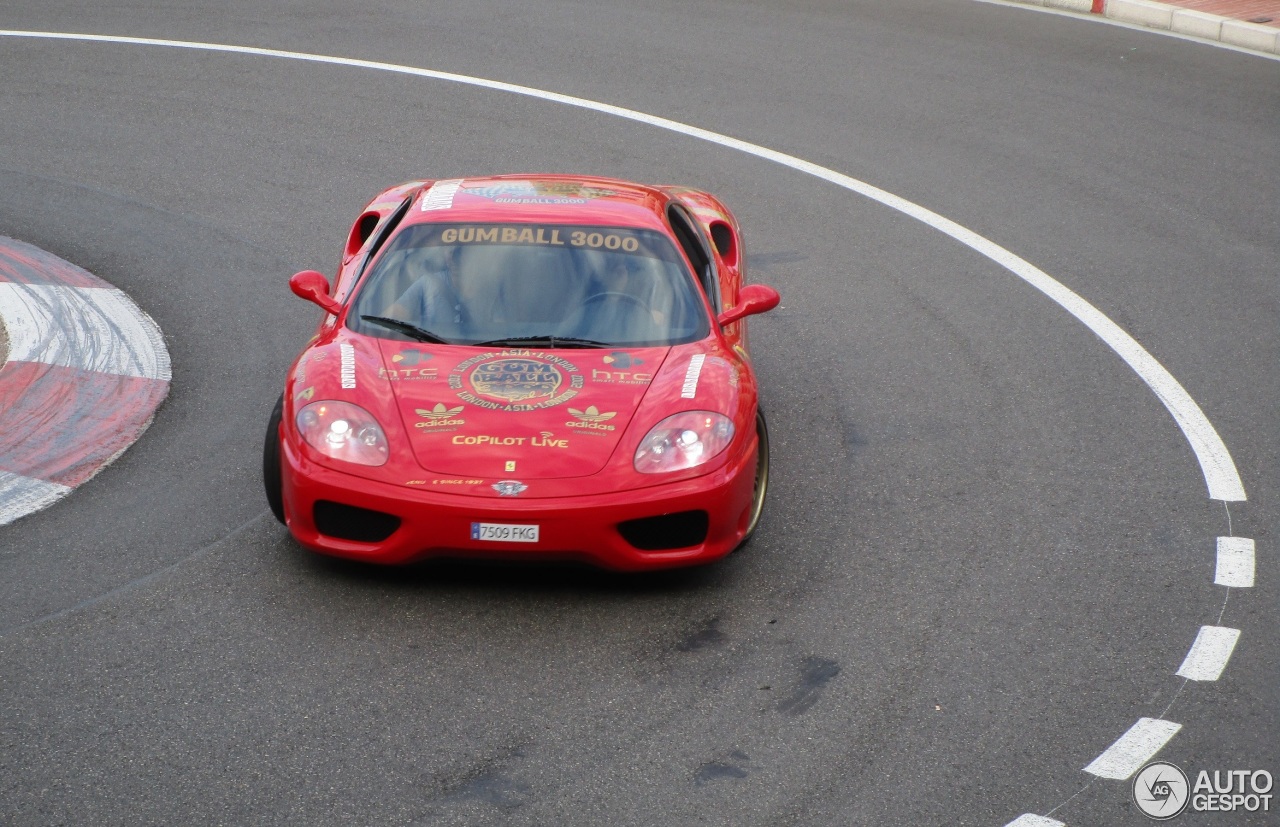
850, 433
717, 770
495, 789
485, 781
708, 634
765, 262
815, 674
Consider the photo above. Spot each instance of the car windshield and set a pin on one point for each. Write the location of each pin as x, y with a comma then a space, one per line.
554, 285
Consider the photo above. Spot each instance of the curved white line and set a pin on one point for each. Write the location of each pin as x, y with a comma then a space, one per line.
1216, 464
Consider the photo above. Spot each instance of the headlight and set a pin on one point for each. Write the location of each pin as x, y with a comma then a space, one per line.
343, 431
685, 440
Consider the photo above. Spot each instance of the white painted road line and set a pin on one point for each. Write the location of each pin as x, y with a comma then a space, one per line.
1209, 654
1133, 749
93, 328
21, 495
1235, 562
1031, 820
1219, 470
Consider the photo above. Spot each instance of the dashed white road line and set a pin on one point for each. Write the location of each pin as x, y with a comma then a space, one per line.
1216, 464
1209, 653
1032, 820
1235, 562
1133, 749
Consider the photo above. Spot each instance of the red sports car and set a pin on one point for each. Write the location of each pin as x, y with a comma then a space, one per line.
528, 366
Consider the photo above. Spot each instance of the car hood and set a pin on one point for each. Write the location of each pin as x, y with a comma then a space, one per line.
523, 413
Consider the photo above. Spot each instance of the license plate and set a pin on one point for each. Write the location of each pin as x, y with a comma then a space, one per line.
504, 532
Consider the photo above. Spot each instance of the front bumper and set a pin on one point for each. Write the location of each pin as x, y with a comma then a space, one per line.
582, 528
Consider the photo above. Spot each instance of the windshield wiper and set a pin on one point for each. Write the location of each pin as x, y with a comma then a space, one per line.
554, 341
419, 333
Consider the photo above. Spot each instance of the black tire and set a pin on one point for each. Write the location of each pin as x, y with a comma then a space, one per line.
271, 481
761, 487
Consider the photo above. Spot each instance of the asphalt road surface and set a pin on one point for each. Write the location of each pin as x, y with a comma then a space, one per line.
987, 548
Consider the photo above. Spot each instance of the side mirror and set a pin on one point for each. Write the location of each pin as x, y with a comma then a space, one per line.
314, 287
752, 299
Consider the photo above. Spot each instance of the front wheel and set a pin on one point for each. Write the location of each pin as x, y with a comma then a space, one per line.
271, 480
762, 476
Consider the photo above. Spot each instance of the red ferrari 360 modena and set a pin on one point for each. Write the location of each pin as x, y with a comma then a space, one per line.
527, 366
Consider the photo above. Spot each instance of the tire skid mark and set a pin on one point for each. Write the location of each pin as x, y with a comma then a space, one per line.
815, 673
125, 588
96, 328
86, 371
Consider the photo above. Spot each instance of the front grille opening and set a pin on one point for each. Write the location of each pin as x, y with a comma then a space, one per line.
670, 531
347, 522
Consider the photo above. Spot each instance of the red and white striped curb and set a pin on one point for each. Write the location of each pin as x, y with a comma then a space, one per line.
86, 371
1200, 22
